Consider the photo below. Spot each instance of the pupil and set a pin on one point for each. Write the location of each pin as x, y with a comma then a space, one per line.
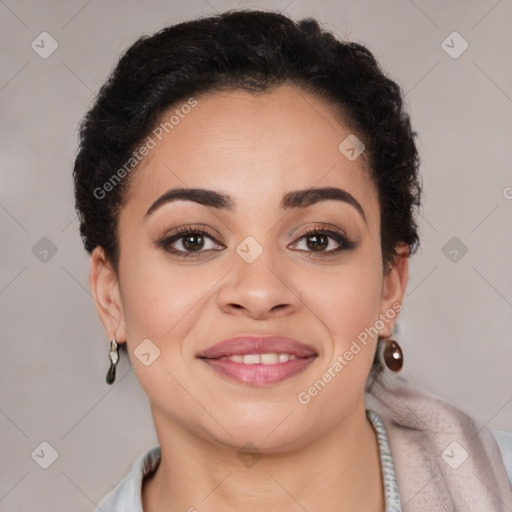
193, 242
317, 242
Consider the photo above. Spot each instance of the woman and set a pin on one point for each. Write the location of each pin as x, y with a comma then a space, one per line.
246, 186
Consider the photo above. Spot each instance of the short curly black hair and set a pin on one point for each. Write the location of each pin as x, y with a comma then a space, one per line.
253, 51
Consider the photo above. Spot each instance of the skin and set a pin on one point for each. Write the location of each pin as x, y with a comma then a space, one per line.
322, 456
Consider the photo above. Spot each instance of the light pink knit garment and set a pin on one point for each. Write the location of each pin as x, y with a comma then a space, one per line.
420, 427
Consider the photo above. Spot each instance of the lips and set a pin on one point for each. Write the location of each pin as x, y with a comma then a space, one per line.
243, 345
258, 360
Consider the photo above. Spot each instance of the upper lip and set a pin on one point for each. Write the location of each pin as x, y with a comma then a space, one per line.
257, 344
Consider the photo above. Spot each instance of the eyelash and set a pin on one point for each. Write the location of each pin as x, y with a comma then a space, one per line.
181, 232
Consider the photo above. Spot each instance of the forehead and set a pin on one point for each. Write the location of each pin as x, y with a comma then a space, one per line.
254, 147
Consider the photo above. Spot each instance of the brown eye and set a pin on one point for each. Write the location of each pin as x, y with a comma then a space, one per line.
189, 242
193, 242
324, 242
317, 242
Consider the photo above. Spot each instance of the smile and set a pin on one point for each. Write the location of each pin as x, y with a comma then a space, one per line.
271, 358
259, 370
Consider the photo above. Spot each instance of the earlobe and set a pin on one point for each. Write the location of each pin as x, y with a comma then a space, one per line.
394, 285
104, 285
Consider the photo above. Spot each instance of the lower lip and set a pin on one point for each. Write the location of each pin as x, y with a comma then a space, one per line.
259, 374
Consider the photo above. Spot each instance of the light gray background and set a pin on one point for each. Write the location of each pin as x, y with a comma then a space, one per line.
456, 323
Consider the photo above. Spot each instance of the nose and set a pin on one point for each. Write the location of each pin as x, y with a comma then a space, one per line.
258, 290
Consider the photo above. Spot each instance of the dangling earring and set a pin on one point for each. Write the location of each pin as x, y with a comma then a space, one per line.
114, 358
393, 355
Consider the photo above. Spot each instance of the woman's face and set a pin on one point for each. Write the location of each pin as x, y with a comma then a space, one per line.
250, 264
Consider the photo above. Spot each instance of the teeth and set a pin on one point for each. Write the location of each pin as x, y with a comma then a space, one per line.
251, 358
270, 358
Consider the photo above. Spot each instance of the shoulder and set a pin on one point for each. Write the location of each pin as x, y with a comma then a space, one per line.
126, 496
504, 440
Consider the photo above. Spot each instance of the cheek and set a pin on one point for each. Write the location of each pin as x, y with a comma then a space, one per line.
349, 307
347, 301
159, 297
161, 308
163, 303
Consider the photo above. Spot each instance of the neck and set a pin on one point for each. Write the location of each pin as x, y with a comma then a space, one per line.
338, 471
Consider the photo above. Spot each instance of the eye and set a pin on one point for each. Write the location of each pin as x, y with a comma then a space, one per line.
187, 242
324, 242
191, 242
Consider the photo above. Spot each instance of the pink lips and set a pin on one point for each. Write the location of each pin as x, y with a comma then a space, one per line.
258, 374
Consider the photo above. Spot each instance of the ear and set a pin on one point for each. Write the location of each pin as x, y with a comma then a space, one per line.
393, 287
104, 285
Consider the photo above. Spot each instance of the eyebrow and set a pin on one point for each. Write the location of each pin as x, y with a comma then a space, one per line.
295, 199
